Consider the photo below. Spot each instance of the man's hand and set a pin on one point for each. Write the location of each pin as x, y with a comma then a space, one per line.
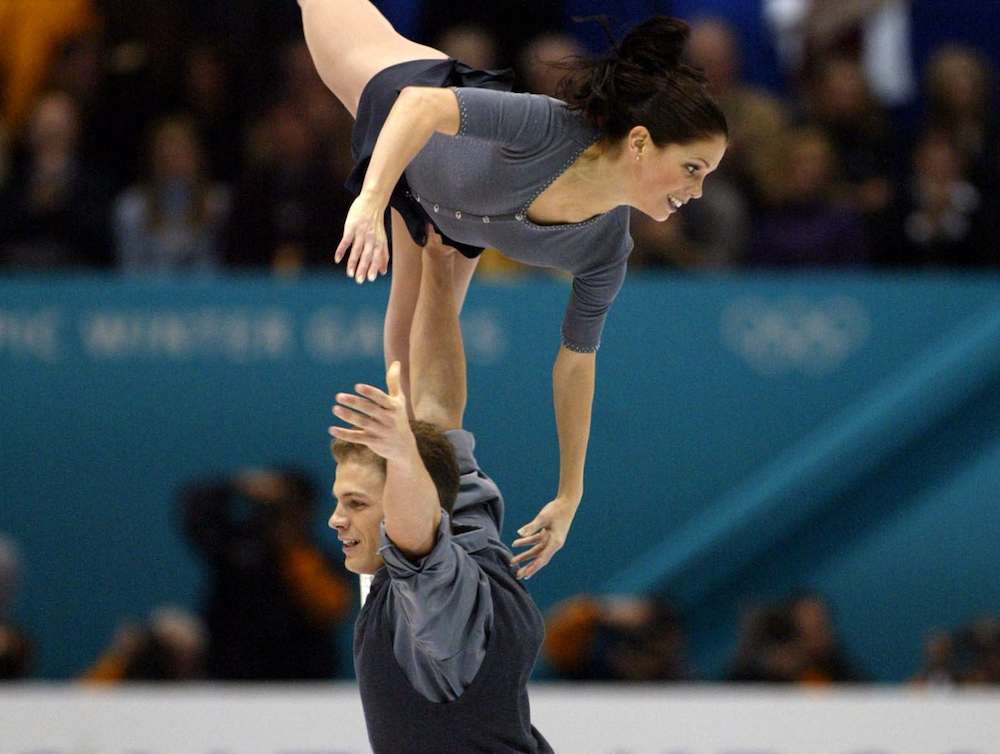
380, 419
546, 535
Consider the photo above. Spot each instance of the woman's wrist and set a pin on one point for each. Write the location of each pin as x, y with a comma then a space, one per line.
571, 495
372, 193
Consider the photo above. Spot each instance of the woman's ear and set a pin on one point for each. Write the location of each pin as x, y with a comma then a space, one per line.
638, 140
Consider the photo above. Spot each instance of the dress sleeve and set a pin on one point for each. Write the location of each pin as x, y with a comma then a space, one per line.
521, 123
588, 307
445, 610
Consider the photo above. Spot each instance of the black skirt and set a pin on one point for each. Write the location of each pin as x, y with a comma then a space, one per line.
377, 100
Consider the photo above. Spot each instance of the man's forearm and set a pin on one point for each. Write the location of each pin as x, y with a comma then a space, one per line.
411, 506
416, 115
573, 378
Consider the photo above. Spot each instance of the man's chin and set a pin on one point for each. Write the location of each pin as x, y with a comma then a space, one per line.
361, 569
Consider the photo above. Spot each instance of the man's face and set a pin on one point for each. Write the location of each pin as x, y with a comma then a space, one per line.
357, 490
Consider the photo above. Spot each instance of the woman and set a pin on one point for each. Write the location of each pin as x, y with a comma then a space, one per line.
172, 222
549, 183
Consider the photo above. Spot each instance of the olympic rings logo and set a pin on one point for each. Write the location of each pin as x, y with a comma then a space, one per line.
794, 334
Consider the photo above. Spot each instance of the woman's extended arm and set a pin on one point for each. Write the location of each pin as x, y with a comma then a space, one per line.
573, 395
417, 114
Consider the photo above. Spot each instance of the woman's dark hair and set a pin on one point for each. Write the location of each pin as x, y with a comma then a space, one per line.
643, 81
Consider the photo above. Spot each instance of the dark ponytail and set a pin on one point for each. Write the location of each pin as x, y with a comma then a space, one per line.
644, 82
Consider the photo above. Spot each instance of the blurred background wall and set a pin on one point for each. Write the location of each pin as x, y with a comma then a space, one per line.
753, 437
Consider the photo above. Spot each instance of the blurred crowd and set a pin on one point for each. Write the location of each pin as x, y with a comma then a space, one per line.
196, 137
273, 595
638, 638
274, 601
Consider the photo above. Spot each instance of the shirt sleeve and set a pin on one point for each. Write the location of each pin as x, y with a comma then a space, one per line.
479, 503
588, 307
521, 123
445, 611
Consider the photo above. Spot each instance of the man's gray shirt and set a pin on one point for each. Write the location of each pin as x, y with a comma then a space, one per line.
509, 148
441, 607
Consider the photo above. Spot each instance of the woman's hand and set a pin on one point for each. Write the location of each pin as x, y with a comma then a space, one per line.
364, 235
380, 419
545, 535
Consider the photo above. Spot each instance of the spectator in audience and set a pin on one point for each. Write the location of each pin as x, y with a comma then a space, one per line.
31, 33
616, 638
10, 575
859, 129
78, 68
16, 647
940, 663
982, 643
540, 64
659, 245
791, 642
4, 156
301, 87
767, 650
172, 221
54, 210
808, 227
290, 208
513, 21
16, 653
824, 658
756, 120
959, 84
207, 95
944, 219
709, 234
274, 597
470, 43
169, 647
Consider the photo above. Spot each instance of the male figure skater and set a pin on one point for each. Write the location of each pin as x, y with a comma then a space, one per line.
446, 640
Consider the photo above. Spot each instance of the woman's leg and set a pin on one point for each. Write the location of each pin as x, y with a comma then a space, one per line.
404, 290
350, 41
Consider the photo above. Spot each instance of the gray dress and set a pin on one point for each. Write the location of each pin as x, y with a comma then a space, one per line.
477, 187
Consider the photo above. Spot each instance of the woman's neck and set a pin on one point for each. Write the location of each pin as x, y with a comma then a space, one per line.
593, 184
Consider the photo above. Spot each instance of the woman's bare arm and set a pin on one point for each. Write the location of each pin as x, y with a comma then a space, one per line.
418, 113
573, 378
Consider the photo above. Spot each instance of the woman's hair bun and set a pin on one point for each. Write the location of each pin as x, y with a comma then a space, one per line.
644, 81
656, 44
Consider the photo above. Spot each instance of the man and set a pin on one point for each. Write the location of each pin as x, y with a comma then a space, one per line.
446, 640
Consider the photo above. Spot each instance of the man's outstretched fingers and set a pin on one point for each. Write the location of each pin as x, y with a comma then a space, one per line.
362, 406
375, 395
350, 435
358, 419
393, 379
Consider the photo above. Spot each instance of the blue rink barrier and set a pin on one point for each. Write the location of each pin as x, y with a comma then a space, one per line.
751, 436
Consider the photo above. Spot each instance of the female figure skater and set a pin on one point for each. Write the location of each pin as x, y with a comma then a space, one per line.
548, 182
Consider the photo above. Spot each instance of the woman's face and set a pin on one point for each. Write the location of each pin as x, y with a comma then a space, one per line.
666, 178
